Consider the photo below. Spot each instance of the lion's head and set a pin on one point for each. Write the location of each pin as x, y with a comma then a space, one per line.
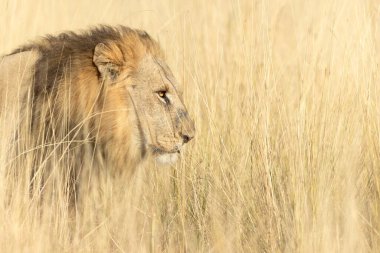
111, 87
141, 85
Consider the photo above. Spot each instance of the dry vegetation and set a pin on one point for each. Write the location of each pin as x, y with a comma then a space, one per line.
286, 158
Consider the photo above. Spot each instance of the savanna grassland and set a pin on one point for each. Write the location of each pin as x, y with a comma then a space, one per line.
286, 158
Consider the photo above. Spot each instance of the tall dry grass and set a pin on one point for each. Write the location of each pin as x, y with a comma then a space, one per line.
286, 157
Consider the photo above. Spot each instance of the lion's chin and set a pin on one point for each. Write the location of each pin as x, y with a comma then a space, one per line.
167, 159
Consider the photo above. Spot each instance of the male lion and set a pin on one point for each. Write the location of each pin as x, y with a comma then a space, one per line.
103, 99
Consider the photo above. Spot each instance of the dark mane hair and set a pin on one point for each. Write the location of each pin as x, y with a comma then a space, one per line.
75, 50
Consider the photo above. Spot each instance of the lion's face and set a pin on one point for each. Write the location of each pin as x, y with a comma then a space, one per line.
164, 123
152, 102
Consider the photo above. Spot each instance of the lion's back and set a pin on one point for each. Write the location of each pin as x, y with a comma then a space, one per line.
16, 74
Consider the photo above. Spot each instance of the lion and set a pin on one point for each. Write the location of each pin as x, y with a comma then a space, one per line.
102, 98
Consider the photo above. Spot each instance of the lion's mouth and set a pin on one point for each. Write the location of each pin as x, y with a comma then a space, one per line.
164, 156
161, 151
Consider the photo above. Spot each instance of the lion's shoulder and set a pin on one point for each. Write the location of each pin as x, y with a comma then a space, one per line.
16, 74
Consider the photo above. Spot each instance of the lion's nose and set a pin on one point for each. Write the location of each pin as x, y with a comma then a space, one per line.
186, 138
188, 131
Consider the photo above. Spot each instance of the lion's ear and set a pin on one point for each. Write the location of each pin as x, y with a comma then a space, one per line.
108, 60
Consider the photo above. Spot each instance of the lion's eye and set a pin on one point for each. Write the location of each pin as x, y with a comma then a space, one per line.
162, 94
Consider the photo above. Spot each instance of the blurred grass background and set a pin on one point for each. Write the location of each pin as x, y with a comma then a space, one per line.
284, 94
